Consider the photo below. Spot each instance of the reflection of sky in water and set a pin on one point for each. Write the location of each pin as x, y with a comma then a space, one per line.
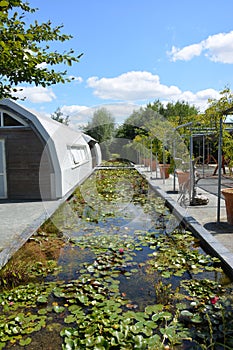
131, 218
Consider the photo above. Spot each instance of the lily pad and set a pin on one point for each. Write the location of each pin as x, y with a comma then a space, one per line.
26, 341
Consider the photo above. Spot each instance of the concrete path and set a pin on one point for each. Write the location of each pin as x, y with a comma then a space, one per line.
18, 221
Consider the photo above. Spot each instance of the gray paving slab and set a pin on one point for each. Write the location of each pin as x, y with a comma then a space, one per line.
18, 221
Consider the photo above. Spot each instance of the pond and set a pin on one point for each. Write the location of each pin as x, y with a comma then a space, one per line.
105, 272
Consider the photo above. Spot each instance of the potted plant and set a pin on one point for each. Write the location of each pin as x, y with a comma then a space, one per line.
164, 164
228, 196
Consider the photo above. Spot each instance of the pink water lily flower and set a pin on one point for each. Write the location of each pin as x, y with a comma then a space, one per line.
121, 250
214, 300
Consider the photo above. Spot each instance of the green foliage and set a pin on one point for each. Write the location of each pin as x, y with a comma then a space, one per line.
59, 117
211, 117
153, 128
25, 55
102, 128
177, 113
137, 124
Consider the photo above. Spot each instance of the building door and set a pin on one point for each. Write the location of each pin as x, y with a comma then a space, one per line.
3, 187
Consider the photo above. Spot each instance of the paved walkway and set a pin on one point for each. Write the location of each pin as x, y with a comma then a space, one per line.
18, 221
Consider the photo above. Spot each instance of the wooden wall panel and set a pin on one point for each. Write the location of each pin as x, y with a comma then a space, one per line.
23, 156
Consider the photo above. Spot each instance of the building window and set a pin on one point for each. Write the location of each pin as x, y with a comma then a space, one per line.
78, 154
7, 120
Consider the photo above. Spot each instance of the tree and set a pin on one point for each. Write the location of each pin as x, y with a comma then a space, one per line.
135, 123
59, 117
180, 112
211, 117
101, 128
25, 55
102, 125
153, 128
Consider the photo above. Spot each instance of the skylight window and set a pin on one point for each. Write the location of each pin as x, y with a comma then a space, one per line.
9, 120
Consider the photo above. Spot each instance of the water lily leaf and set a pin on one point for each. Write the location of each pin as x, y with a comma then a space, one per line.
69, 344
75, 309
70, 319
140, 316
42, 311
196, 319
26, 341
42, 299
166, 274
58, 309
101, 341
153, 341
154, 308
139, 341
134, 270
150, 324
59, 293
186, 313
83, 299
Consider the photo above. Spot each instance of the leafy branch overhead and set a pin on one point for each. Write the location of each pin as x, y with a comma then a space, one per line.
25, 55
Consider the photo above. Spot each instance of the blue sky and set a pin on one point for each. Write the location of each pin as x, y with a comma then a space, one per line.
135, 52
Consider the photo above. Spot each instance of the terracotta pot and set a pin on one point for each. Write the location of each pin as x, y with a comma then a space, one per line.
147, 163
153, 165
183, 178
164, 170
228, 195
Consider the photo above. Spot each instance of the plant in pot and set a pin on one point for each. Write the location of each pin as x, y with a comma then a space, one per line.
228, 195
165, 164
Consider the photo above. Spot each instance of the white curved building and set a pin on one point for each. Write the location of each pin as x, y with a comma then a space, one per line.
39, 157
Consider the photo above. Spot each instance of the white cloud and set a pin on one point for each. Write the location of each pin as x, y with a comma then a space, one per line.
144, 86
73, 109
132, 86
36, 94
80, 115
185, 54
218, 48
200, 98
